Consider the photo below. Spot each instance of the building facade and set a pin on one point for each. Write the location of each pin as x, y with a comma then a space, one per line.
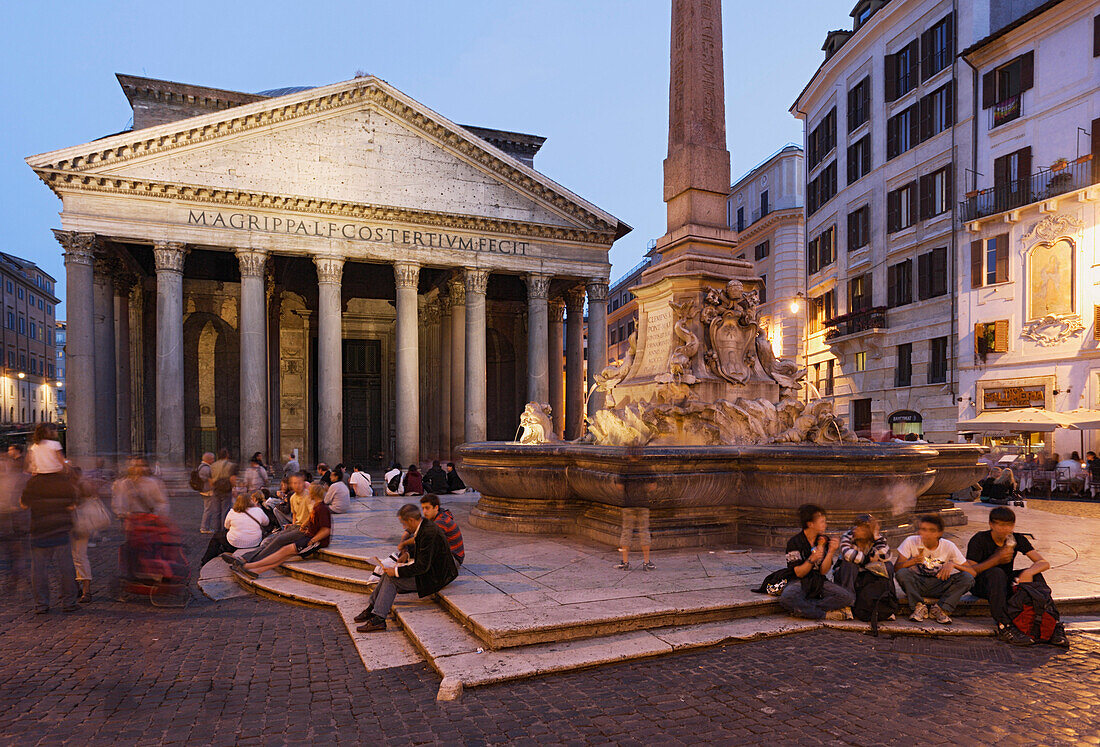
338, 270
1027, 275
59, 357
878, 121
622, 311
28, 385
765, 208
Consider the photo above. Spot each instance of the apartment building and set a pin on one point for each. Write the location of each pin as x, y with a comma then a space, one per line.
1028, 272
878, 119
28, 375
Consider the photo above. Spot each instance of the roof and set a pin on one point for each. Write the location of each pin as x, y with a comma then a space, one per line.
1005, 30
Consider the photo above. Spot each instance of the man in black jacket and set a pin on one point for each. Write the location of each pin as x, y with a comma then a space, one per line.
435, 479
51, 498
433, 567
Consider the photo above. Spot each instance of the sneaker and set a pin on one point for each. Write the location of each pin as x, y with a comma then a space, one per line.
647, 566
1011, 634
848, 613
365, 615
920, 613
309, 549
239, 568
373, 625
229, 557
1058, 638
835, 615
940, 616
623, 566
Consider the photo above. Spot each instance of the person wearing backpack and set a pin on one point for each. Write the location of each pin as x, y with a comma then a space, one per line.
393, 479
993, 553
202, 480
864, 569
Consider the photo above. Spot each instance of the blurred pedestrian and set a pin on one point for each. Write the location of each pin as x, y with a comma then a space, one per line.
51, 497
204, 481
14, 518
223, 471
139, 492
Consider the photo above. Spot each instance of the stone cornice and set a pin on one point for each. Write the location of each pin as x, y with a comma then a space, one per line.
126, 147
60, 181
770, 221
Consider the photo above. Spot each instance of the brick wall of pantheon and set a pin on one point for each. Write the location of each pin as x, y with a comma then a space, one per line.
337, 270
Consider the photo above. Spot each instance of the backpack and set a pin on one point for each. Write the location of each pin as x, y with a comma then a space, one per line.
394, 483
195, 480
775, 582
1032, 611
876, 599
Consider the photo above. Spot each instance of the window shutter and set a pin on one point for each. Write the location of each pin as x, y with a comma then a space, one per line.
914, 63
1024, 162
892, 286
1096, 38
1000, 336
925, 196
926, 55
851, 109
950, 36
1002, 258
893, 208
989, 89
914, 125
851, 164
949, 104
979, 338
977, 279
913, 206
1027, 71
924, 276
1096, 144
865, 155
891, 137
948, 183
925, 127
890, 77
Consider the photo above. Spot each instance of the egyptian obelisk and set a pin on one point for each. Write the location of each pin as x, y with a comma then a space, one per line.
697, 170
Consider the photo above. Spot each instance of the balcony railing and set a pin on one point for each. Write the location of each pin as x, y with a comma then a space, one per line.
856, 322
1019, 192
1005, 111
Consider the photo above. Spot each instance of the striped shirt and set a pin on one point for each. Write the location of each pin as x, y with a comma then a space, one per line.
445, 520
880, 550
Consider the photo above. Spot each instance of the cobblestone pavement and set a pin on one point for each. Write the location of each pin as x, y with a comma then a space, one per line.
254, 671
1086, 509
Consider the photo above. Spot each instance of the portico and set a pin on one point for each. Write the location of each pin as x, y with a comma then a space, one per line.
339, 270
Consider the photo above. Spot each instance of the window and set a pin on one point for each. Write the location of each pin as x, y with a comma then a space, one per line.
1003, 88
859, 293
830, 377
937, 112
740, 219
50, 370
935, 193
859, 103
49, 309
763, 203
11, 320
763, 250
859, 228
822, 139
9, 286
22, 325
1011, 182
937, 45
901, 71
822, 310
821, 189
901, 207
859, 159
991, 337
899, 284
861, 361
821, 250
763, 292
932, 274
40, 304
34, 331
23, 361
989, 261
861, 415
937, 360
902, 131
30, 299
34, 366
20, 293
903, 373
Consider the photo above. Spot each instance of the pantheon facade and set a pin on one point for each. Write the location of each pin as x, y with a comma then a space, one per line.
337, 270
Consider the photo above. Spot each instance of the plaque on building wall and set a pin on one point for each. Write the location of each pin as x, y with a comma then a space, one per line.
1051, 283
1014, 397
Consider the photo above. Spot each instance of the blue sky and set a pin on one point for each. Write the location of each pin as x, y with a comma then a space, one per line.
589, 75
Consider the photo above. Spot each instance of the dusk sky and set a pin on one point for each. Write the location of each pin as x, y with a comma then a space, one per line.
589, 75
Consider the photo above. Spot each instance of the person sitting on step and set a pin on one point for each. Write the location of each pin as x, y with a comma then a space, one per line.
810, 555
930, 566
432, 568
312, 536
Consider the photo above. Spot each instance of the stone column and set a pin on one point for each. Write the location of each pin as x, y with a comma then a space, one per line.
80, 393
538, 383
124, 284
103, 308
574, 364
597, 338
253, 353
407, 360
330, 357
457, 289
168, 257
476, 283
554, 367
445, 367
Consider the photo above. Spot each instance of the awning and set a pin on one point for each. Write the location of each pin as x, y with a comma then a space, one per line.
1084, 419
1024, 420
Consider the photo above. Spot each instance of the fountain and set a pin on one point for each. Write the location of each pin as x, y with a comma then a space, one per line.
701, 423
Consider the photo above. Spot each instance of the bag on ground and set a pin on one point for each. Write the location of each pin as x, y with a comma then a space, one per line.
876, 599
1032, 611
775, 582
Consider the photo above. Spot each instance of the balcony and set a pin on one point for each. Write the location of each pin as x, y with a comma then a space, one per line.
857, 322
1035, 188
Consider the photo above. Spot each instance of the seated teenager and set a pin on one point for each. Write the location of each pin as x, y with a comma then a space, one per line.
862, 549
392, 479
435, 479
930, 566
244, 527
337, 496
413, 484
289, 535
360, 483
810, 555
313, 535
445, 520
432, 568
454, 482
993, 554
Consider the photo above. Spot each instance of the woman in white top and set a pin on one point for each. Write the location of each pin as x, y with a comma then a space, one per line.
244, 525
394, 471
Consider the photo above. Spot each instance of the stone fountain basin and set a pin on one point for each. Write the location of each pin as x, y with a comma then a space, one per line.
957, 467
697, 494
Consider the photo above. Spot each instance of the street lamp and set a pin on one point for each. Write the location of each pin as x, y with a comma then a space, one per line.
22, 375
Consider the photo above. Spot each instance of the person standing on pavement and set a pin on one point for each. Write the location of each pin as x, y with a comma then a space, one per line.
14, 519
209, 522
255, 476
291, 467
223, 471
139, 492
51, 497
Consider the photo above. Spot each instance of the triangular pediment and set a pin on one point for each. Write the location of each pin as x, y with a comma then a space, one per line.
360, 142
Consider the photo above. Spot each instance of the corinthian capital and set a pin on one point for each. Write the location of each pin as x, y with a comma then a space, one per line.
407, 274
456, 289
329, 269
538, 286
168, 256
557, 310
574, 301
252, 262
476, 281
597, 291
79, 247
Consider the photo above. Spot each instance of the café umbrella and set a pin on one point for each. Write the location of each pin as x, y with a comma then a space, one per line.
1023, 420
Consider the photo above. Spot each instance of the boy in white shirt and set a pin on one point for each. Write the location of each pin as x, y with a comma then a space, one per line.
360, 483
930, 566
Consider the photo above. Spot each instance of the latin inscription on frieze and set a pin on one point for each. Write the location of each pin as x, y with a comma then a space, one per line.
658, 342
